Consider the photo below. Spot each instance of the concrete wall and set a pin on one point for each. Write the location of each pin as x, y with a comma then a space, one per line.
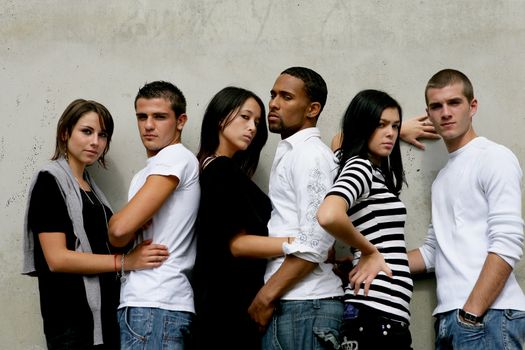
52, 52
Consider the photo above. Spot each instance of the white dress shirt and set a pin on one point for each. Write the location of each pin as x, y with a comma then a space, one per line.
302, 173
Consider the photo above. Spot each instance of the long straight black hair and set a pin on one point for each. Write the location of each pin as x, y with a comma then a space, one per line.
359, 122
220, 112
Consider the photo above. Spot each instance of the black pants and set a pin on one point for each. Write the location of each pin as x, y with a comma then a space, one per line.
367, 328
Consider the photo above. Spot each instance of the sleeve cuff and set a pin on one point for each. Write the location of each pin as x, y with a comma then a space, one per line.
302, 252
508, 259
429, 263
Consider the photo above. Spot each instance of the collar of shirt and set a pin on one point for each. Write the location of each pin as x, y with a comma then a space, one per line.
290, 142
301, 136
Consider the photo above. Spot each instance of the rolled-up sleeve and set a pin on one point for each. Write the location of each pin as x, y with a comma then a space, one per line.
500, 178
428, 249
312, 176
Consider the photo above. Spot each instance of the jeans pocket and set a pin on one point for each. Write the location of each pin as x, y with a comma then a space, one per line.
327, 336
177, 327
514, 314
514, 329
468, 326
136, 322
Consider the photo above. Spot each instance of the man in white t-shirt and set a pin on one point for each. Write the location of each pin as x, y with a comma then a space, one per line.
300, 304
156, 305
476, 235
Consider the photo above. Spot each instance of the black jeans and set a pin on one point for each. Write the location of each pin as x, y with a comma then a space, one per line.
77, 339
367, 328
71, 338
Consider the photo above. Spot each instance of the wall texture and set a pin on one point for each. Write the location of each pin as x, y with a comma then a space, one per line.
55, 51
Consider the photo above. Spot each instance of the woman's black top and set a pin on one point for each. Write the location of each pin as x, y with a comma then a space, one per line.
63, 301
224, 286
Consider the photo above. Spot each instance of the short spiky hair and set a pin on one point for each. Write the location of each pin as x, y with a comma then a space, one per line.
314, 84
448, 77
166, 90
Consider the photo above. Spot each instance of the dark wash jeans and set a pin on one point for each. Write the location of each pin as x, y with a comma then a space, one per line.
71, 338
365, 328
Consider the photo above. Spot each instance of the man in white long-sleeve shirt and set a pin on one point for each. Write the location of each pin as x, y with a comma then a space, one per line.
476, 235
300, 302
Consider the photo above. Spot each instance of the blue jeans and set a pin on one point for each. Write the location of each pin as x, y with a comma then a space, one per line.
305, 325
147, 328
500, 330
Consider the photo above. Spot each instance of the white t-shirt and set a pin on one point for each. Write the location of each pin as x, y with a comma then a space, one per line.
302, 173
167, 287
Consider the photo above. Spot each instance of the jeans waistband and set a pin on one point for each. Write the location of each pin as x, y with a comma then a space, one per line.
373, 315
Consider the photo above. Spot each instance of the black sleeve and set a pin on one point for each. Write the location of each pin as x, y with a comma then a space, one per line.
47, 209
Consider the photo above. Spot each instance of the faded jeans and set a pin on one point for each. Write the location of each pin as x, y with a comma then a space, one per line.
500, 330
305, 325
144, 328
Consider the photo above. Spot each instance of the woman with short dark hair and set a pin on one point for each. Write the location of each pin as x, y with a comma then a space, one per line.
66, 240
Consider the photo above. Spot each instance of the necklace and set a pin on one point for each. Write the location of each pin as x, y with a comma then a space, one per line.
88, 197
89, 189
99, 202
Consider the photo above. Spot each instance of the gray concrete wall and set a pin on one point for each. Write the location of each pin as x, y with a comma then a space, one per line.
52, 52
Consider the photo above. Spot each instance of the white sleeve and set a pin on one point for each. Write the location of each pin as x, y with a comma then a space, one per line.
312, 176
428, 249
171, 161
500, 179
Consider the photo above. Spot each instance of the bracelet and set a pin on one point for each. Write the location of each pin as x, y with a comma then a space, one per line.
122, 272
115, 262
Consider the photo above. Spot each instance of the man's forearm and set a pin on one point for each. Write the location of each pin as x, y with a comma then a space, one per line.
288, 275
291, 271
120, 240
491, 281
416, 262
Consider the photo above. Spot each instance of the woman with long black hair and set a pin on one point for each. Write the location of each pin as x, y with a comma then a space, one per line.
232, 241
363, 210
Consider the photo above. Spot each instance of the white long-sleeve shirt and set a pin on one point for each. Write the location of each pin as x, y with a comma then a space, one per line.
476, 210
302, 172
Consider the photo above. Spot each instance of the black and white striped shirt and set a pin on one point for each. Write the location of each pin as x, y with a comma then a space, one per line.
380, 216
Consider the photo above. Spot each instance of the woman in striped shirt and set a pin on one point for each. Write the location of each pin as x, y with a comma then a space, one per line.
363, 210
